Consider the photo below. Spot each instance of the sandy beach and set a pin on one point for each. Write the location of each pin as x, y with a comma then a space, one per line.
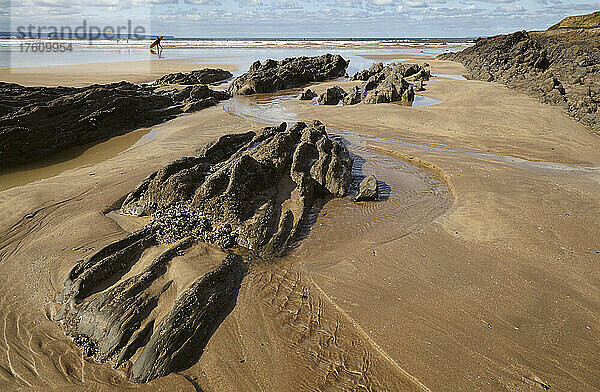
78, 75
476, 272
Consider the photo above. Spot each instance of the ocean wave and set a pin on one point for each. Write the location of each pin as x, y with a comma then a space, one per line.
243, 43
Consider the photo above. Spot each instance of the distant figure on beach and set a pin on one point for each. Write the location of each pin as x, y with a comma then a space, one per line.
157, 42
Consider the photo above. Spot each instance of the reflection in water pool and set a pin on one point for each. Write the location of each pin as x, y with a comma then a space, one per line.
449, 76
72, 158
269, 109
421, 101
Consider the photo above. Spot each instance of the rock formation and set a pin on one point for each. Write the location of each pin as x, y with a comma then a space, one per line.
423, 74
272, 75
201, 76
365, 74
391, 89
386, 84
353, 96
560, 67
249, 194
38, 121
307, 95
368, 190
332, 96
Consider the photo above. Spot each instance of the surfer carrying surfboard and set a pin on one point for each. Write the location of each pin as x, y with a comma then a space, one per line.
157, 42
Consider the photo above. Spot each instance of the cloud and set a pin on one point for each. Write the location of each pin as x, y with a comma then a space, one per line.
511, 8
305, 18
422, 3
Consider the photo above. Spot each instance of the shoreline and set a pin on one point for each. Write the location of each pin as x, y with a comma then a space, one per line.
84, 74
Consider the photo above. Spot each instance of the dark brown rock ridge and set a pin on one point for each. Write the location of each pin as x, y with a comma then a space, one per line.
353, 96
38, 121
200, 76
248, 194
560, 67
332, 96
307, 95
271, 75
386, 84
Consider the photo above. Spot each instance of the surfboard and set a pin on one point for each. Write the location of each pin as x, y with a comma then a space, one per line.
156, 41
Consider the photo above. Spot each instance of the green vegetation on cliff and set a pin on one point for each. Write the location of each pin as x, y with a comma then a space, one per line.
579, 21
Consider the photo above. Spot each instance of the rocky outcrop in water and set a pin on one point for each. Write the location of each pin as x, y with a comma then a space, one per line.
365, 74
391, 89
272, 75
198, 97
38, 121
307, 95
249, 194
201, 76
368, 189
332, 96
386, 84
353, 96
560, 67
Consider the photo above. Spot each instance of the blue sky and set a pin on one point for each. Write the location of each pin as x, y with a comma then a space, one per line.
301, 18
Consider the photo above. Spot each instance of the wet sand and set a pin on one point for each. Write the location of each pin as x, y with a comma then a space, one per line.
396, 56
477, 270
78, 75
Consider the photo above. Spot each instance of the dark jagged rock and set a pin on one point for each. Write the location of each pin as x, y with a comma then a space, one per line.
560, 67
113, 325
411, 70
368, 189
38, 121
422, 74
365, 74
332, 96
353, 96
272, 75
387, 83
390, 89
248, 193
235, 186
202, 92
201, 76
307, 95
420, 86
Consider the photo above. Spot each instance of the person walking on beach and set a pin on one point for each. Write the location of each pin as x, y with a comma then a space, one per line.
157, 42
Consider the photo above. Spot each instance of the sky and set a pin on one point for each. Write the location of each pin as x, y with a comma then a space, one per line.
299, 18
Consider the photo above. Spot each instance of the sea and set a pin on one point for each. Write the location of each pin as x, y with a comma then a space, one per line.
33, 52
